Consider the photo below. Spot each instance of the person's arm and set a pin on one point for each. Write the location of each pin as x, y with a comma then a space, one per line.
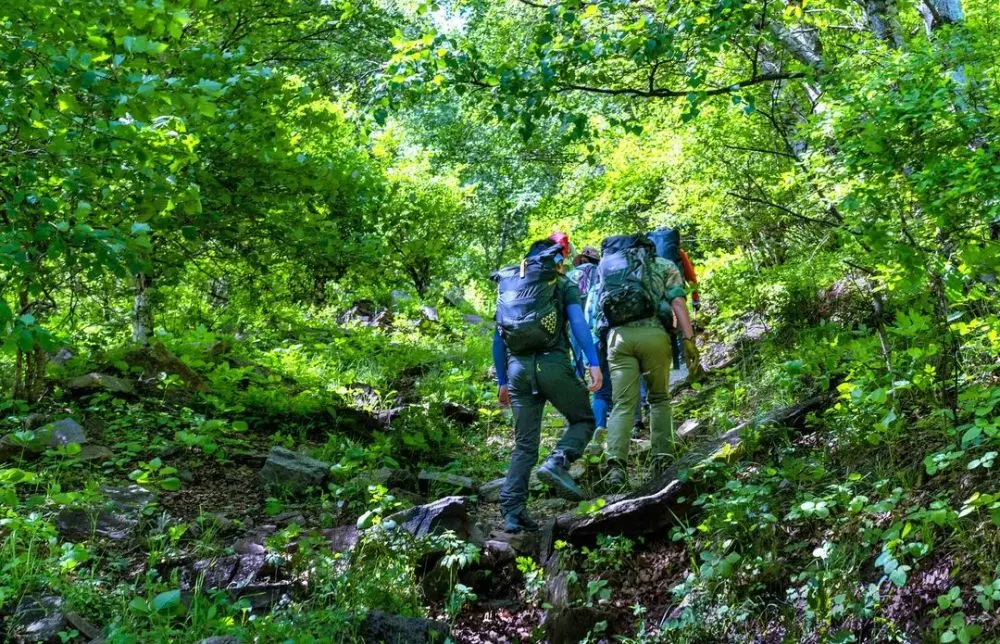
683, 317
581, 331
691, 277
500, 364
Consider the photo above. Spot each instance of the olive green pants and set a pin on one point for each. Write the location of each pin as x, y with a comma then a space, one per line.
635, 352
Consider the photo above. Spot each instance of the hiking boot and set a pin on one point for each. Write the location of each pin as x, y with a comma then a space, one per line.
617, 476
554, 474
638, 428
517, 522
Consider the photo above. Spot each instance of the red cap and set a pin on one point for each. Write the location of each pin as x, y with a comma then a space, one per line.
563, 240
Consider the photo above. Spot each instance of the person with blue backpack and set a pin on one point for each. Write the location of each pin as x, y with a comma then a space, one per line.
531, 353
638, 292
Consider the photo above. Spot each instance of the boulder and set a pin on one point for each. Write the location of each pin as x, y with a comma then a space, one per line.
93, 382
490, 491
497, 553
522, 543
474, 320
38, 619
292, 471
380, 627
343, 538
430, 313
461, 414
33, 443
449, 513
116, 519
689, 428
93, 454
460, 484
155, 359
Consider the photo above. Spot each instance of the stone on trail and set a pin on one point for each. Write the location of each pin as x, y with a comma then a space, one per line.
430, 313
116, 519
462, 484
99, 382
38, 619
93, 453
292, 472
688, 428
383, 627
489, 492
449, 513
57, 434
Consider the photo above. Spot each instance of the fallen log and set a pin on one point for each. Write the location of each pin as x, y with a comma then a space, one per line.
665, 500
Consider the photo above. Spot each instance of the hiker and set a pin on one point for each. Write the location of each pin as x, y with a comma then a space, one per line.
535, 305
638, 293
583, 274
668, 246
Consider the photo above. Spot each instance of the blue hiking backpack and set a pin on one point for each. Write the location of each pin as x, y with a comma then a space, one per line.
668, 244
626, 293
529, 315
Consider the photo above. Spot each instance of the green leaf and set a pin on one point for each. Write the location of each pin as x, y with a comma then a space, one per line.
167, 599
171, 484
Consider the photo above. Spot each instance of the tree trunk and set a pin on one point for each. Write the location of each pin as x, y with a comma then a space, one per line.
937, 13
883, 20
142, 310
29, 366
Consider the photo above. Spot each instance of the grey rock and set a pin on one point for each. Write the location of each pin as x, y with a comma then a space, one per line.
449, 513
292, 471
343, 538
461, 484
100, 382
688, 428
94, 453
63, 432
522, 543
430, 313
498, 553
490, 491
399, 297
473, 319
116, 519
59, 433
38, 619
381, 627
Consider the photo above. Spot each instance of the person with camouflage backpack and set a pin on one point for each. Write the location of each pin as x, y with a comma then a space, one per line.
638, 293
535, 304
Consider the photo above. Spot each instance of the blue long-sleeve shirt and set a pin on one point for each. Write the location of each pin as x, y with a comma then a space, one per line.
578, 327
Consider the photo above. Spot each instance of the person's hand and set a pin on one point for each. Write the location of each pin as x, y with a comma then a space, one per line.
596, 379
693, 360
503, 395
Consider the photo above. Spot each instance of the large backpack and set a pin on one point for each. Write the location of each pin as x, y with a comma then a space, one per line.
585, 278
627, 294
529, 315
668, 244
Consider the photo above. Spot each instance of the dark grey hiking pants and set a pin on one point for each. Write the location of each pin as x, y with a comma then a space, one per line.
535, 380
